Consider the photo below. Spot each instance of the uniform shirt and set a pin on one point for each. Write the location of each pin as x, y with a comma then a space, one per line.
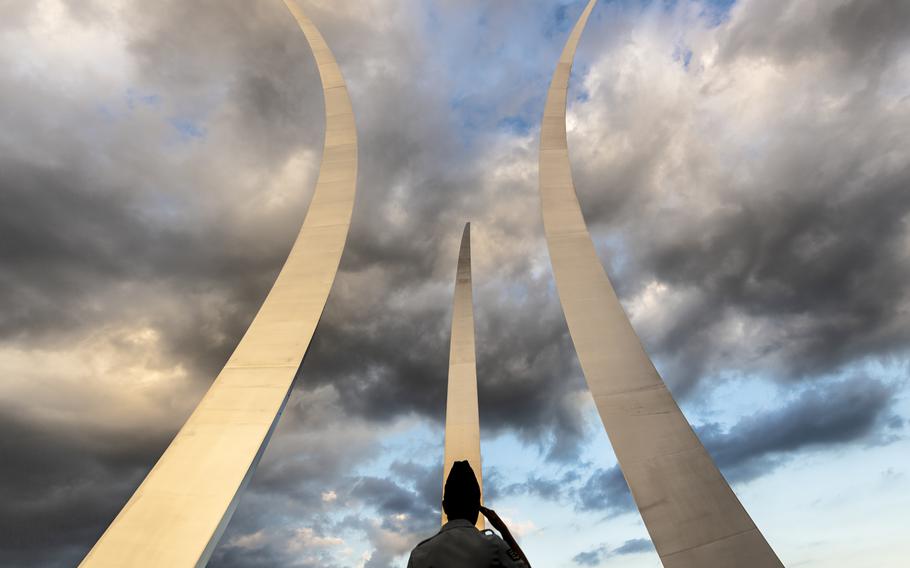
459, 544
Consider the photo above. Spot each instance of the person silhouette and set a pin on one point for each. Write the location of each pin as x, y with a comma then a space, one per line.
459, 544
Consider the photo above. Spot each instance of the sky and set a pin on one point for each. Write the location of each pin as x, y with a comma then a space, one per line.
743, 167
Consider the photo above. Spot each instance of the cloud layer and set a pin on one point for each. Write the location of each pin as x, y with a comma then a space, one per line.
744, 171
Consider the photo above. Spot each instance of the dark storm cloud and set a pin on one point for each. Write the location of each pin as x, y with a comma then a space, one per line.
870, 29
388, 498
246, 60
859, 409
605, 490
65, 241
634, 546
154, 211
45, 269
588, 558
267, 557
542, 487
865, 32
518, 359
112, 209
798, 231
94, 241
308, 479
396, 513
596, 556
425, 481
104, 223
842, 296
429, 172
60, 488
529, 373
829, 415
91, 238
307, 501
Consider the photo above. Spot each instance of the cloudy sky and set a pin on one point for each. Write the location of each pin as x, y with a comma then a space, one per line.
744, 167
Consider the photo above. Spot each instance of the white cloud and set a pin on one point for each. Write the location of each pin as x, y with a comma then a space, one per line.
307, 538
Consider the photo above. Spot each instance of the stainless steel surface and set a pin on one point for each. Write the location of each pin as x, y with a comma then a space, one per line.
177, 515
462, 414
692, 515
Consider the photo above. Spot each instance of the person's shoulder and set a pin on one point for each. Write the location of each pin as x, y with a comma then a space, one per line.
452, 544
418, 554
426, 540
493, 538
495, 542
503, 552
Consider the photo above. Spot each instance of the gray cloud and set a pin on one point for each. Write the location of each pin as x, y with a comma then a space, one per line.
605, 490
555, 489
53, 502
847, 411
151, 184
863, 33
854, 410
596, 556
785, 219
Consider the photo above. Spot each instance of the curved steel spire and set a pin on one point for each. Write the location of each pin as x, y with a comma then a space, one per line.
177, 515
462, 441
693, 517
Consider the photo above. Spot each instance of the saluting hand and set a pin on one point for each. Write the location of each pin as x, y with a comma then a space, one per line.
494, 519
499, 525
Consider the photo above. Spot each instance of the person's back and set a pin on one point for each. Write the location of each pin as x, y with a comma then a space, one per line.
459, 544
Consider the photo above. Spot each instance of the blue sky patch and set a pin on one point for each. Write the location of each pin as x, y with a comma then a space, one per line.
136, 98
516, 123
187, 128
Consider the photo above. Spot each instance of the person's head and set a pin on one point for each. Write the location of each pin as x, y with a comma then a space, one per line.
461, 499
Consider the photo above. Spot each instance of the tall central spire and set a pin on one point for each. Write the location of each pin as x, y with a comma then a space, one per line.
462, 414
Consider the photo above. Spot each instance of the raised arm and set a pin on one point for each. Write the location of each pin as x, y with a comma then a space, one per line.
499, 525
